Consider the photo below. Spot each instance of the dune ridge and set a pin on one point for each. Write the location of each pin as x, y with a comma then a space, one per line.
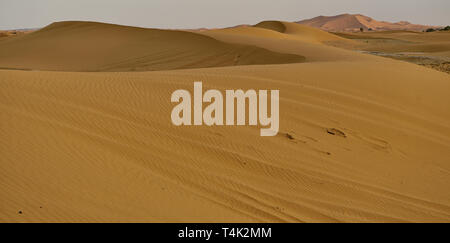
89, 46
312, 43
272, 25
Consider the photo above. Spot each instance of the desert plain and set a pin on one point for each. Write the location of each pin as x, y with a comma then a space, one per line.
86, 134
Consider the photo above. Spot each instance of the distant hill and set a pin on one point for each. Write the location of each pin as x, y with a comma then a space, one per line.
354, 22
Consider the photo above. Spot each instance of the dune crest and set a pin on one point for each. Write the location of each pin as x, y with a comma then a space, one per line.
89, 46
272, 25
295, 39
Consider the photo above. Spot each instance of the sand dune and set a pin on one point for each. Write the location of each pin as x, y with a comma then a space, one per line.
354, 22
296, 39
87, 46
272, 25
362, 138
301, 32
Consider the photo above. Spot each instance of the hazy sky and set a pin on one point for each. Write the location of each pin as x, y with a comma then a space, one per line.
212, 13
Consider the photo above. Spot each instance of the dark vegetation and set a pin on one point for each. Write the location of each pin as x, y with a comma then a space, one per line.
447, 28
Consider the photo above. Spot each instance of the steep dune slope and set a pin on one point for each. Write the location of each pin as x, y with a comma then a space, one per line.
272, 25
87, 46
334, 23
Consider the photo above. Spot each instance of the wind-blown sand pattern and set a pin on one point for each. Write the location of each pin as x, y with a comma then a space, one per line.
362, 138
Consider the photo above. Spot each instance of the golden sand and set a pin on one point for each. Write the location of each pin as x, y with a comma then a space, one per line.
362, 138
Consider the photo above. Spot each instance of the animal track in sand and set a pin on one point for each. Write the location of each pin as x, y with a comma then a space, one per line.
289, 136
336, 132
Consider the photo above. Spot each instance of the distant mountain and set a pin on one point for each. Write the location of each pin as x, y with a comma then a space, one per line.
354, 22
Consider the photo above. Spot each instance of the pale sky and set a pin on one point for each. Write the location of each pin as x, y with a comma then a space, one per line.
16, 14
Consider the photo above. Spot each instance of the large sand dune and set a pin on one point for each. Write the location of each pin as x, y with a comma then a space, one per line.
362, 139
87, 46
293, 38
354, 22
